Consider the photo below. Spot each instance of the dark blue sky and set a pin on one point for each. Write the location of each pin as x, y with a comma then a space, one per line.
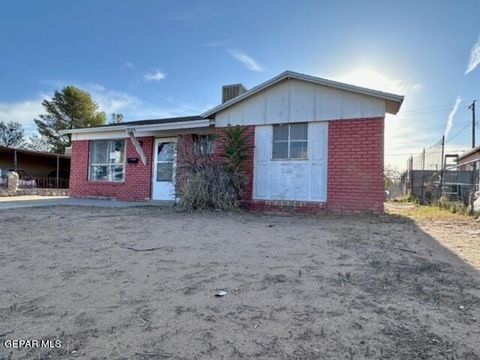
162, 58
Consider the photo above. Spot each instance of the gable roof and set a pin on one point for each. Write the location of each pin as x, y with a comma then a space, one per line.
393, 101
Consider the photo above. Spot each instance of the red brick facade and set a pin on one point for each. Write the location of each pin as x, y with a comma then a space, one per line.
138, 177
287, 206
355, 165
355, 170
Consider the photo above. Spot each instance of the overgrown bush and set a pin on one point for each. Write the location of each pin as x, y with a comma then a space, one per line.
211, 187
214, 181
235, 148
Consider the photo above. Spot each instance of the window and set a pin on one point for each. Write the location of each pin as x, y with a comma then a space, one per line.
290, 141
165, 160
107, 160
204, 144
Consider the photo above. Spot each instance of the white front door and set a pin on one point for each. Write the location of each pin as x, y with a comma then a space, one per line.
164, 169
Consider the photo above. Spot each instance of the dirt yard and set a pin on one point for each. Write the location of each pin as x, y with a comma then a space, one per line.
139, 283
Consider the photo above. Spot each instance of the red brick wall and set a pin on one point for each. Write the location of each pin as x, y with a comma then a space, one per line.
287, 206
137, 185
355, 165
355, 170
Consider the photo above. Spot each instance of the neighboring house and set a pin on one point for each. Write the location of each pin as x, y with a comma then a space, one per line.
316, 144
29, 163
469, 159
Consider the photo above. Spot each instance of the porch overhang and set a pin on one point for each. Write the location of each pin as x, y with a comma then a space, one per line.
147, 127
124, 130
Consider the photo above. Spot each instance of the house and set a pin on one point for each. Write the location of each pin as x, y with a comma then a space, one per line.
469, 159
316, 144
33, 165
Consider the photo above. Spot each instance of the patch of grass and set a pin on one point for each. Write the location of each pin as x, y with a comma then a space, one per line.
455, 207
407, 199
424, 212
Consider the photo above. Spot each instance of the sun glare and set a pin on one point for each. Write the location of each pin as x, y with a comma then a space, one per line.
374, 80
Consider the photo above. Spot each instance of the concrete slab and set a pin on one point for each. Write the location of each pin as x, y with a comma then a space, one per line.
15, 202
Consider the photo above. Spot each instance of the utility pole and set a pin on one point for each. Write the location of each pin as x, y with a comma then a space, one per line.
423, 175
474, 174
442, 165
472, 107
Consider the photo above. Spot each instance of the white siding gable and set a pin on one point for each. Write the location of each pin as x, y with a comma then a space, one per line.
300, 101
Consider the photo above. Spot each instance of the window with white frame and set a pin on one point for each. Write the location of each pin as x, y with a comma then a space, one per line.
204, 144
107, 160
290, 141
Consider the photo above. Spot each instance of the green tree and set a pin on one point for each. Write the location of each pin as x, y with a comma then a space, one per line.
11, 134
69, 108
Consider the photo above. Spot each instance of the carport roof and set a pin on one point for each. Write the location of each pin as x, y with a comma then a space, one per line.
5, 149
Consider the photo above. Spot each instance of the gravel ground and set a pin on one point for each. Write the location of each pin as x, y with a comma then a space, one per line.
139, 283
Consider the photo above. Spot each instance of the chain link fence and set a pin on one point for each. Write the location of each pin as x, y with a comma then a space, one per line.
433, 174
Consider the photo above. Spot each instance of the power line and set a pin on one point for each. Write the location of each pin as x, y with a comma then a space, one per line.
433, 107
458, 133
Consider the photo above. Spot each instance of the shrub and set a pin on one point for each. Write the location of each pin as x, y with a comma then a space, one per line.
215, 182
235, 148
211, 187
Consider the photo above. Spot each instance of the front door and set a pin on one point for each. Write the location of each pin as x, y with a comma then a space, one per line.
164, 169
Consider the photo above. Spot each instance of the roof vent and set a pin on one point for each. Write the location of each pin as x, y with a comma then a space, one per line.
232, 91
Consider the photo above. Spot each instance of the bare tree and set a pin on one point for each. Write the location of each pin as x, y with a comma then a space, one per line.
38, 143
12, 134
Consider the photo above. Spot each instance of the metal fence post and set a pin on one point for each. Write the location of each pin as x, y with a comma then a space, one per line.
58, 170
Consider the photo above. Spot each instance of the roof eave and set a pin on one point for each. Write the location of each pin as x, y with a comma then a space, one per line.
191, 124
468, 153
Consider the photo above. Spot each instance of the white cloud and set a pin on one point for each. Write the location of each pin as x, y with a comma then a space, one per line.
112, 101
129, 65
451, 115
22, 111
157, 75
474, 57
133, 108
416, 87
246, 60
